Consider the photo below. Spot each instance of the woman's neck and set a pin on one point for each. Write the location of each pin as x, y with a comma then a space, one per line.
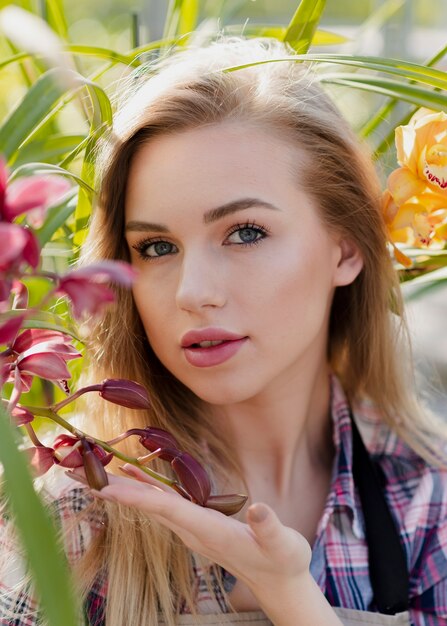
284, 435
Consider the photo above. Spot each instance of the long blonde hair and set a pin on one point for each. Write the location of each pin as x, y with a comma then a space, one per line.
149, 571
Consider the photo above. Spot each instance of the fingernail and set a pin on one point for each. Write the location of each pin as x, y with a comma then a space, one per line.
258, 513
126, 469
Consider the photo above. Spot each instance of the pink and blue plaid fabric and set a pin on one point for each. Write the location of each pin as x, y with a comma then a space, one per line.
416, 494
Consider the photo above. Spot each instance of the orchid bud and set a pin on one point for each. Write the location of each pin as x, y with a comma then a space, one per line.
192, 476
153, 438
228, 504
125, 393
94, 470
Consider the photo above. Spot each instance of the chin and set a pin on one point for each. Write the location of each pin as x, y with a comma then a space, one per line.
220, 395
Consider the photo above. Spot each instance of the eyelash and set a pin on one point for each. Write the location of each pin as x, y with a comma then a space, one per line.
141, 246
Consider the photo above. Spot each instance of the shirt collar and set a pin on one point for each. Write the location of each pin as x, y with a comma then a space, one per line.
342, 493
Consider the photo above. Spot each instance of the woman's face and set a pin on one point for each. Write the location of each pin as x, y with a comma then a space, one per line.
227, 243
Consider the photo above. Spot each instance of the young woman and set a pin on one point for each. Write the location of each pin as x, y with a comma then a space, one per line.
267, 324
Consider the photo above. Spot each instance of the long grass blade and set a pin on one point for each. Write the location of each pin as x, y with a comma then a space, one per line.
36, 532
304, 23
30, 112
390, 88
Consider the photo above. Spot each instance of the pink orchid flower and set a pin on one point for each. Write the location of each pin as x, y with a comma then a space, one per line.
39, 352
31, 195
88, 287
17, 245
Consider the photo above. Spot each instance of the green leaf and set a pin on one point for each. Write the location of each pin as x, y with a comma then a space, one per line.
420, 286
56, 18
30, 169
386, 109
189, 13
172, 19
42, 319
55, 218
276, 31
303, 25
30, 112
101, 53
49, 149
391, 88
418, 73
37, 533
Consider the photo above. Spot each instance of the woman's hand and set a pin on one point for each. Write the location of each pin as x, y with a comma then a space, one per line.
270, 558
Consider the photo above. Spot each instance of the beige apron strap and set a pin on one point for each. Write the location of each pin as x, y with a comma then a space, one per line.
250, 618
349, 617
352, 617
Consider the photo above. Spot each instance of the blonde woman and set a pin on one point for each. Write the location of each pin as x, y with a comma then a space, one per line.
266, 323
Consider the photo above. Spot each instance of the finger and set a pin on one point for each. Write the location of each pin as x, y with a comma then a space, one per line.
138, 474
271, 535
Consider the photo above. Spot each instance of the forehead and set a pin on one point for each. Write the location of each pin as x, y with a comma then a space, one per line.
211, 165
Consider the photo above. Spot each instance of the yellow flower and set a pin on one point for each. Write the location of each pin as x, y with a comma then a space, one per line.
422, 148
415, 201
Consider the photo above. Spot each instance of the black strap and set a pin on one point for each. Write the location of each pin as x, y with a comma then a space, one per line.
388, 570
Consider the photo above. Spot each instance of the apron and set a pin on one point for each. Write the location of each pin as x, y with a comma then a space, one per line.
389, 580
348, 617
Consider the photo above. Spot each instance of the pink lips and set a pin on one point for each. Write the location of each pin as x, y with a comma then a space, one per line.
213, 355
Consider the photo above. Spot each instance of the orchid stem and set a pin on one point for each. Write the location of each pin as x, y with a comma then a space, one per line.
50, 413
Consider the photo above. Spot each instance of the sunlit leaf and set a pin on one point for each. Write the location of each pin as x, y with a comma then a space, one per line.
30, 112
30, 169
189, 13
50, 149
303, 25
391, 88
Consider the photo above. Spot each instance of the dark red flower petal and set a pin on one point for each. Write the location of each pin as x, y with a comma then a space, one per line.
21, 415
41, 459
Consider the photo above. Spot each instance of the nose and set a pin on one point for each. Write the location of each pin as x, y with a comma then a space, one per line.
200, 283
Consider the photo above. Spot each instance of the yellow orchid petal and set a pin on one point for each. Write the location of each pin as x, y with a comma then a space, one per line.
402, 235
405, 139
432, 201
389, 207
406, 214
435, 168
441, 232
401, 257
423, 230
403, 184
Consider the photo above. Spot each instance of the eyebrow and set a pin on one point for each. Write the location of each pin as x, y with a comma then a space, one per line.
213, 215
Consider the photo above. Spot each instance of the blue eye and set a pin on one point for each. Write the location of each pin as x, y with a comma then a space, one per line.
247, 234
149, 249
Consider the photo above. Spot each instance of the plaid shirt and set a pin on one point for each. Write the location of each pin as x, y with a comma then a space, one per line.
416, 495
